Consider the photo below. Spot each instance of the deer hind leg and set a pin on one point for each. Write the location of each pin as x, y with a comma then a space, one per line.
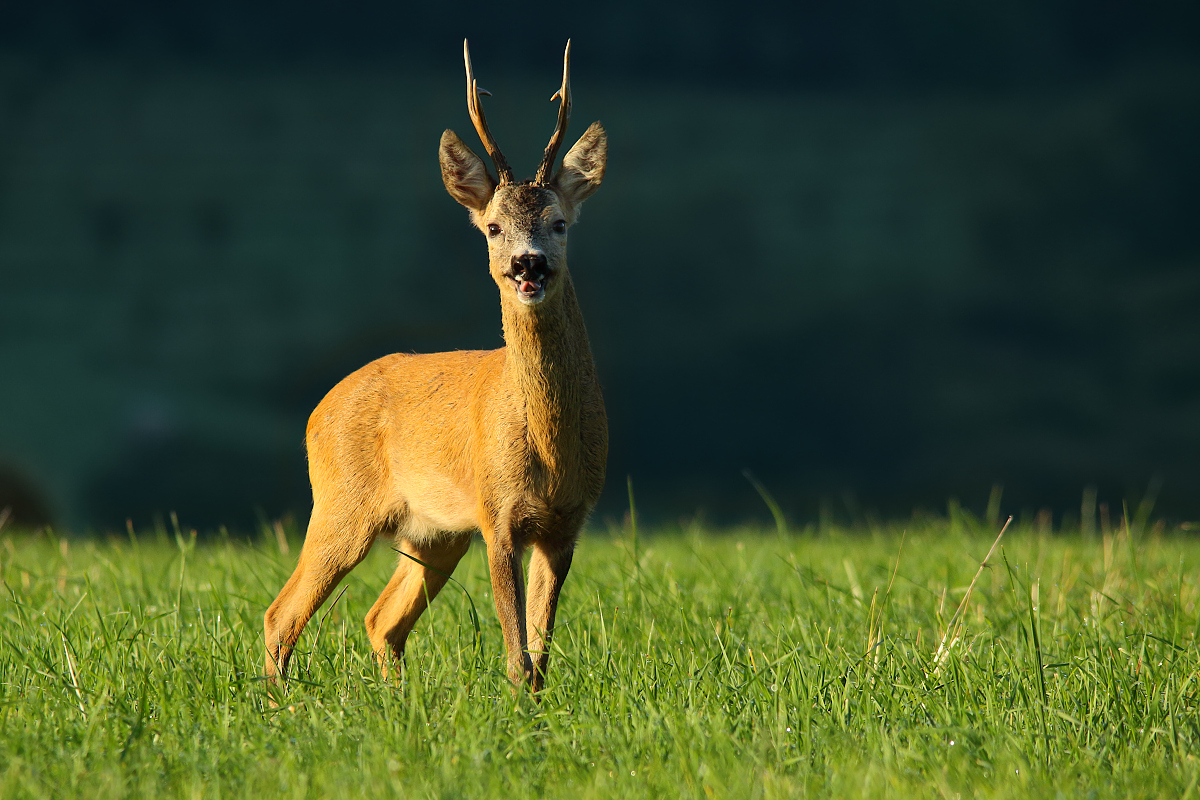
411, 589
332, 547
548, 567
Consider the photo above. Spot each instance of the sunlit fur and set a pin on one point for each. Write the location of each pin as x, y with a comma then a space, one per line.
430, 448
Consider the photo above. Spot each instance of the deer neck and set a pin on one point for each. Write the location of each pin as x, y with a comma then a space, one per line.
549, 363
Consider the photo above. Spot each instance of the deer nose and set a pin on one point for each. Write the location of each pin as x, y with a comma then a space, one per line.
529, 264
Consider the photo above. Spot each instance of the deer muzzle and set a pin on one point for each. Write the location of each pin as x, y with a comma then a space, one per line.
530, 273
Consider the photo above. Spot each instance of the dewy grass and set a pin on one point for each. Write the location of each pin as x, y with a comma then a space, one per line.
732, 664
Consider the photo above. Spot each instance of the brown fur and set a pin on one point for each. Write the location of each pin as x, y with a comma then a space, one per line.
430, 448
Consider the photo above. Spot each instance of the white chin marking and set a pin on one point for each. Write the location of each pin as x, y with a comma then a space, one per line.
534, 300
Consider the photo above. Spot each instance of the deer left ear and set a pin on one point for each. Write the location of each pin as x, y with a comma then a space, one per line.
466, 178
583, 166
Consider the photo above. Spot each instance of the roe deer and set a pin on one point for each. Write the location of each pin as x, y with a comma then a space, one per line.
509, 442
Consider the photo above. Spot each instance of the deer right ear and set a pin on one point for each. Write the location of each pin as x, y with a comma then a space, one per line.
466, 178
583, 166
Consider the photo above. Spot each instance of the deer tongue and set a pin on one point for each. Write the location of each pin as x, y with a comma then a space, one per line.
529, 287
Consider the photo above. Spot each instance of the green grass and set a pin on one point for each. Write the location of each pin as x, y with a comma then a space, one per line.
687, 664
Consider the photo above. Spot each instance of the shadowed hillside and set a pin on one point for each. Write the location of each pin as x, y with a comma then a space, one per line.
886, 298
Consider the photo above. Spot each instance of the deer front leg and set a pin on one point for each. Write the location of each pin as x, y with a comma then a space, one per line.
548, 569
508, 589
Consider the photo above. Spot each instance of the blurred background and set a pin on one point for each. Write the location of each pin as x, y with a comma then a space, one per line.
882, 254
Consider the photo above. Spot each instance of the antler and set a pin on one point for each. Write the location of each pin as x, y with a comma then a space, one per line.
503, 171
546, 169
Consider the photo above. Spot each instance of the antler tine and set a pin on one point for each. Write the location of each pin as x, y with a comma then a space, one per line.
504, 172
563, 95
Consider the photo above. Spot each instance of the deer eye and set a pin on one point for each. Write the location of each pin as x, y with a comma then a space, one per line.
559, 226
493, 229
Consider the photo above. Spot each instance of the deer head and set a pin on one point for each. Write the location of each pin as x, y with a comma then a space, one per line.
525, 222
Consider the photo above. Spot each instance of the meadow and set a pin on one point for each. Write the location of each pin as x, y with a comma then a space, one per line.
687, 663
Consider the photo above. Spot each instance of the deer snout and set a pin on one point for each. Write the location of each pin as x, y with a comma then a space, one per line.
530, 273
529, 265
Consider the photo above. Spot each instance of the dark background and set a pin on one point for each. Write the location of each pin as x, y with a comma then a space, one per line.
881, 254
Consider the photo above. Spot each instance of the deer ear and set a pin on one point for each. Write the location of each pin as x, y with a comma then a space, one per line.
466, 178
583, 166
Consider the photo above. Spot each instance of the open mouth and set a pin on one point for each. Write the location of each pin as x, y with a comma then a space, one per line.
530, 285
